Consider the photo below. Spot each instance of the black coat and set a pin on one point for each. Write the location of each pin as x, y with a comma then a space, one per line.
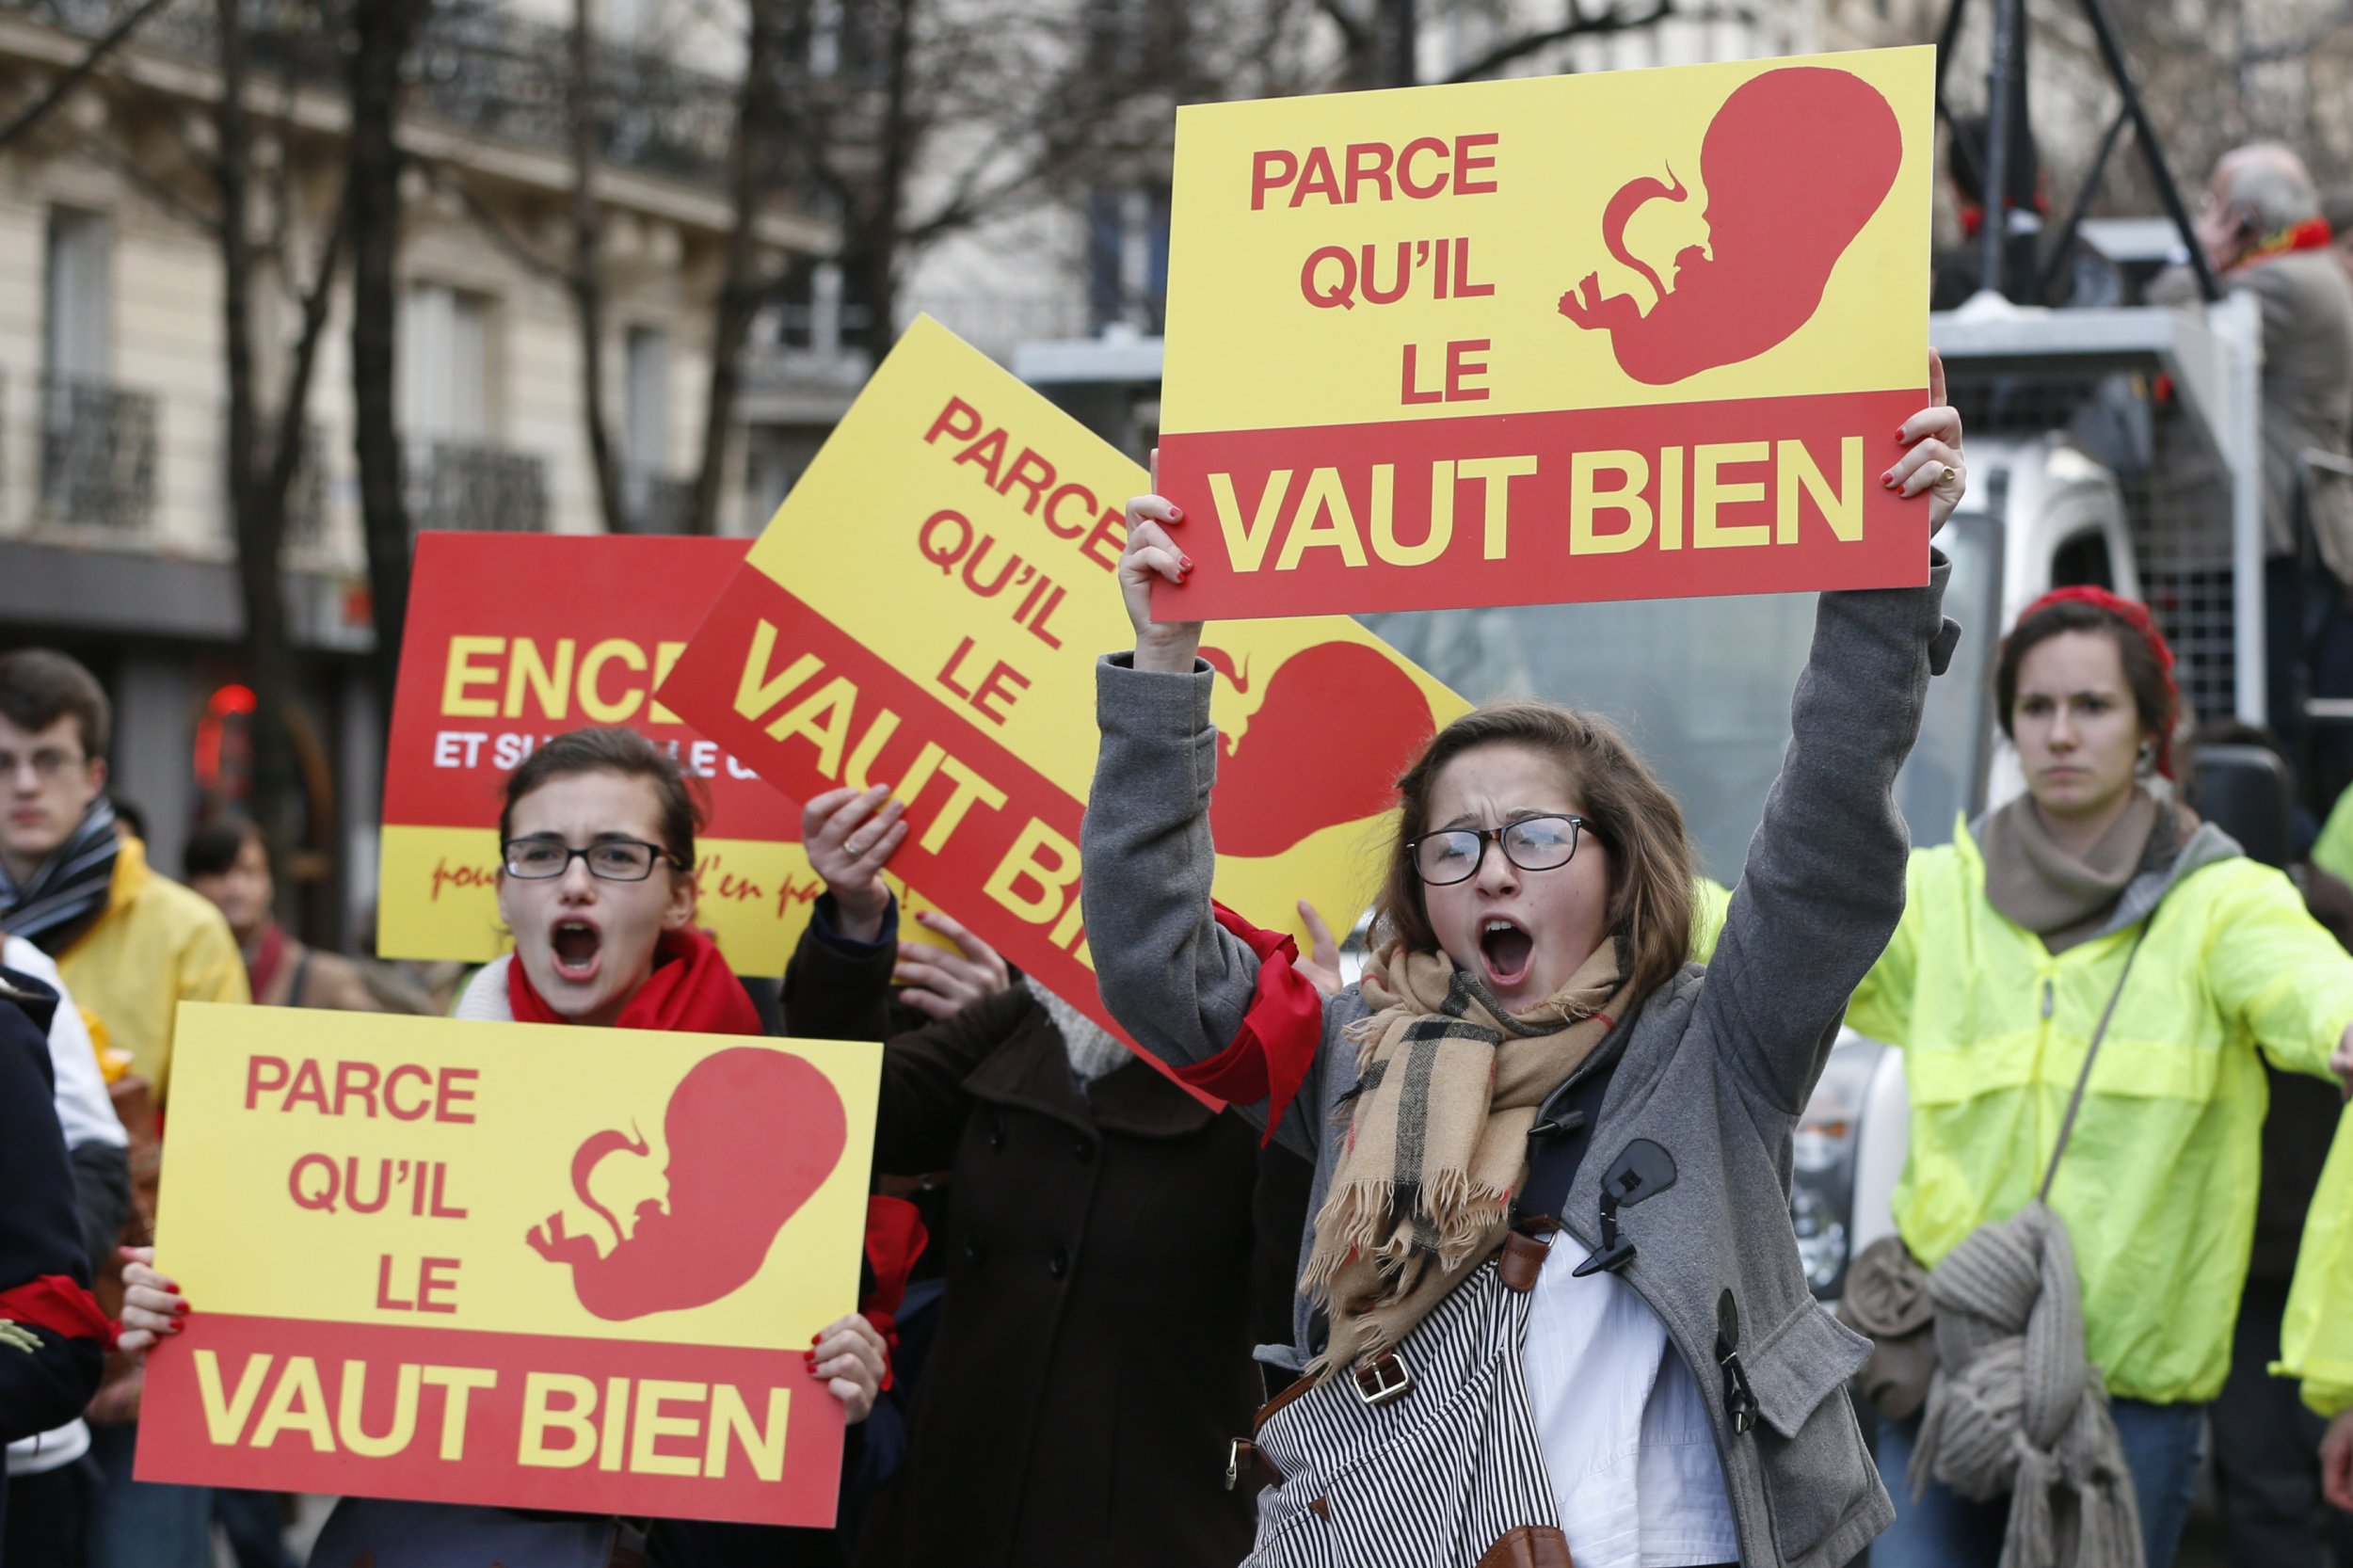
39, 1233
1093, 1356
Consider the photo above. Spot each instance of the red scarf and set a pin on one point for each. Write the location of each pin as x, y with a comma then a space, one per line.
58, 1304
262, 967
2314, 233
1271, 1052
895, 1238
691, 991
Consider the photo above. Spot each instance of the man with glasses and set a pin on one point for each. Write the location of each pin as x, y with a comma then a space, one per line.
130, 946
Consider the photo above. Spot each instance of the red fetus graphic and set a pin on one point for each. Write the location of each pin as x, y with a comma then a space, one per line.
1339, 722
752, 1133
1795, 163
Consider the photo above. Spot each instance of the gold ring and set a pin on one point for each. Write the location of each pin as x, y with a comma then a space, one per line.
1949, 474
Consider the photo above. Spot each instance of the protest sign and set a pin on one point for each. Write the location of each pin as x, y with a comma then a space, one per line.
409, 1280
513, 638
926, 611
1628, 335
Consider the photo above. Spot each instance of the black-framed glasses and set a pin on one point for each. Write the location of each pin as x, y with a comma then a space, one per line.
609, 859
1531, 843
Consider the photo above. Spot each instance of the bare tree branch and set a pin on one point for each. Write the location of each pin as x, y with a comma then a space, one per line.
1580, 25
487, 217
75, 74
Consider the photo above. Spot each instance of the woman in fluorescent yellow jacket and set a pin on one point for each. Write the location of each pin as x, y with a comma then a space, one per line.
1994, 1017
2317, 1338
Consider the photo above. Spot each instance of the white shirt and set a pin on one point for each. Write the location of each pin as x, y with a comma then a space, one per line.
86, 1115
1624, 1432
85, 1111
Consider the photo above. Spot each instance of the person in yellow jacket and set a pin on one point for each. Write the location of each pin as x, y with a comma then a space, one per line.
2316, 1336
2014, 939
132, 946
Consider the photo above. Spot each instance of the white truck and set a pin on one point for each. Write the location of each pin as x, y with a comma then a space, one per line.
1703, 686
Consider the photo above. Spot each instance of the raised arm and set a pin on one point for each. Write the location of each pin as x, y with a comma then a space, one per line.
1823, 885
1175, 981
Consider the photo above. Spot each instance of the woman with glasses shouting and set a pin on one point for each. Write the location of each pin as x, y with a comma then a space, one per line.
597, 885
1550, 1306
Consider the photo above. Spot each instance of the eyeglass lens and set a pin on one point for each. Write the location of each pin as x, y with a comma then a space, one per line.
615, 860
1533, 844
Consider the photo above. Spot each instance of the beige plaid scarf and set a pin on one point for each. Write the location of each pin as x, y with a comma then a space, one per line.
1437, 1136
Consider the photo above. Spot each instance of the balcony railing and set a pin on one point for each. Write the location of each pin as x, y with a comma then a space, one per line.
477, 66
97, 453
656, 502
484, 489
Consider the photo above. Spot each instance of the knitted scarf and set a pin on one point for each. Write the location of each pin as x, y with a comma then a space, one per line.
2015, 1406
2039, 886
1447, 1086
69, 892
1091, 1049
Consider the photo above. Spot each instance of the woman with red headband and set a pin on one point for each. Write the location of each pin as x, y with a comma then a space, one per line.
2080, 984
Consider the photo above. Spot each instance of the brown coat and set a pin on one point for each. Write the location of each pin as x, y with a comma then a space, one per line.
1094, 1354
328, 980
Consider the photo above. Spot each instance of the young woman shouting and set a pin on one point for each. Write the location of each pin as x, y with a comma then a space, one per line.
597, 885
1550, 1304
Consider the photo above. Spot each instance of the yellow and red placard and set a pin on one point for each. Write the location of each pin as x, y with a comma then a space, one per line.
927, 610
513, 638
1629, 335
508, 1264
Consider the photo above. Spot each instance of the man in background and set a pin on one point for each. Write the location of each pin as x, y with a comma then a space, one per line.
131, 946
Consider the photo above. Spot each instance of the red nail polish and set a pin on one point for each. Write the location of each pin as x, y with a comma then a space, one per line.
1900, 434
1176, 514
1185, 561
173, 1288
180, 1309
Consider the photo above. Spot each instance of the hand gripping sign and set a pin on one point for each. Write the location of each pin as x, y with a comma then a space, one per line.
514, 638
1633, 335
508, 1264
925, 612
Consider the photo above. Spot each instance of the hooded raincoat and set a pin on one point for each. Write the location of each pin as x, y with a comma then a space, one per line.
2159, 1182
2316, 1337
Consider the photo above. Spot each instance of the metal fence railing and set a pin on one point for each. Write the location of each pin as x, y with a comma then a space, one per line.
98, 444
486, 488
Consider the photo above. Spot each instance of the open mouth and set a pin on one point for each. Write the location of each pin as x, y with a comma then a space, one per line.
576, 947
1507, 951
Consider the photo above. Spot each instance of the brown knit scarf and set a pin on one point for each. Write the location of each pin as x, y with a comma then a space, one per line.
2041, 887
1447, 1086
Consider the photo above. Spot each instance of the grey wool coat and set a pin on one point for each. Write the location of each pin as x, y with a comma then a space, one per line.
1715, 1066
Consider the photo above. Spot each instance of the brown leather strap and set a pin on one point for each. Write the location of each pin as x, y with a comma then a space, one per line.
1248, 1469
1266, 1410
2083, 1078
1529, 1546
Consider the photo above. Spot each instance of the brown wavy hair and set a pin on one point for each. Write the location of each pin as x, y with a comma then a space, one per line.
619, 751
1623, 802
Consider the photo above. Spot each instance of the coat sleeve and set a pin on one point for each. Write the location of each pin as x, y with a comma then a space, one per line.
2316, 1334
836, 990
45, 1379
1177, 983
1882, 1007
1823, 885
209, 968
2272, 967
